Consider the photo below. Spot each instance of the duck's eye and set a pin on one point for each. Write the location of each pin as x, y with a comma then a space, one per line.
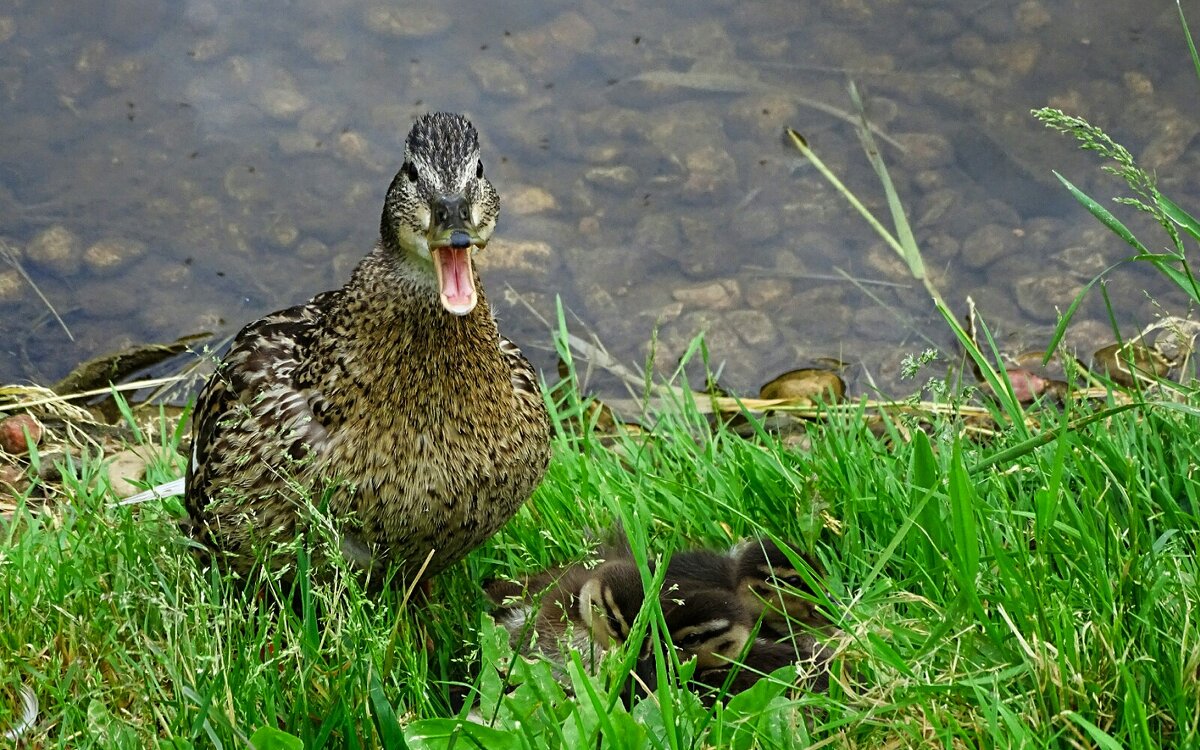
410, 171
479, 169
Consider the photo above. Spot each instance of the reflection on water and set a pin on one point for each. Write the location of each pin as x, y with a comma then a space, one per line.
173, 167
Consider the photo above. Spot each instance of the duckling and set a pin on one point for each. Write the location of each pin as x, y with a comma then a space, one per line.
700, 568
770, 587
393, 400
573, 609
709, 624
809, 659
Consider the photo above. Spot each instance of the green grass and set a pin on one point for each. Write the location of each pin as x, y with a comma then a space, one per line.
1037, 590
1046, 600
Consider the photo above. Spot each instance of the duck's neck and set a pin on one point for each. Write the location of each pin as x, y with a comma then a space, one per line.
395, 341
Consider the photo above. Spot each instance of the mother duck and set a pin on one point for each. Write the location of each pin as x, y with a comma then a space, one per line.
394, 401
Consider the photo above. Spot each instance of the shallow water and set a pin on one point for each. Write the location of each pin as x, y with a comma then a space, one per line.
203, 163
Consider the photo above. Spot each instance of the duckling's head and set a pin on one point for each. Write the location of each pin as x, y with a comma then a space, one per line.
770, 586
709, 624
610, 599
440, 209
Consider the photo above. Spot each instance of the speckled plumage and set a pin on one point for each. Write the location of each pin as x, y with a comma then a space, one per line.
420, 426
573, 609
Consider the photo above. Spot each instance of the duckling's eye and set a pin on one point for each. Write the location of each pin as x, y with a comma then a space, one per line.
690, 640
479, 169
410, 171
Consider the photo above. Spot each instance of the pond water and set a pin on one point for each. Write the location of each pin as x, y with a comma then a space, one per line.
174, 167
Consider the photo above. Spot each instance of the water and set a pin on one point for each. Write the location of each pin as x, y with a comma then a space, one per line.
234, 157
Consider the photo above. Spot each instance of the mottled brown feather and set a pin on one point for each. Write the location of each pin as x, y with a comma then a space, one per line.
424, 431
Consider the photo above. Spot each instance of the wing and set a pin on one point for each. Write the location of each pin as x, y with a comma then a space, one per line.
252, 397
524, 378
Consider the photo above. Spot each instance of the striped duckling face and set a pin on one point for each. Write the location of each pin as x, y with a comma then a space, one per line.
769, 585
708, 624
609, 600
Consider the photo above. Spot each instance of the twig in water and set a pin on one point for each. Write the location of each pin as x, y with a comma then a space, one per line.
9, 254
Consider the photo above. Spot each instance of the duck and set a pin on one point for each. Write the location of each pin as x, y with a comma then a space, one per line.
707, 624
771, 588
394, 402
808, 659
699, 569
715, 627
578, 608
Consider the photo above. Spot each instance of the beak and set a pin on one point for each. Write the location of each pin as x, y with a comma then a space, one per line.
452, 239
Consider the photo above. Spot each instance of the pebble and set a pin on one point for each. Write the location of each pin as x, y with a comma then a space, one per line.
937, 25
715, 295
1174, 134
246, 183
295, 142
282, 232
970, 49
1043, 297
284, 102
876, 323
106, 257
92, 58
702, 255
988, 244
323, 48
499, 78
617, 179
125, 468
1138, 83
807, 383
924, 151
699, 40
711, 175
940, 247
1084, 262
765, 292
13, 431
762, 117
756, 224
1019, 58
658, 233
108, 298
1031, 16
353, 147
124, 73
525, 200
12, 286
406, 21
55, 249
754, 327
887, 263
1041, 232
13, 482
322, 120
551, 47
312, 250
533, 263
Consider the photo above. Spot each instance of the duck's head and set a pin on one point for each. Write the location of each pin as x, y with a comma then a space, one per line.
709, 624
440, 208
769, 583
610, 599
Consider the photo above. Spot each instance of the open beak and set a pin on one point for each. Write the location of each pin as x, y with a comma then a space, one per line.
452, 239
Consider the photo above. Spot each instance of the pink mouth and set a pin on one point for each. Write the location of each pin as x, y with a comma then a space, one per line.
456, 279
